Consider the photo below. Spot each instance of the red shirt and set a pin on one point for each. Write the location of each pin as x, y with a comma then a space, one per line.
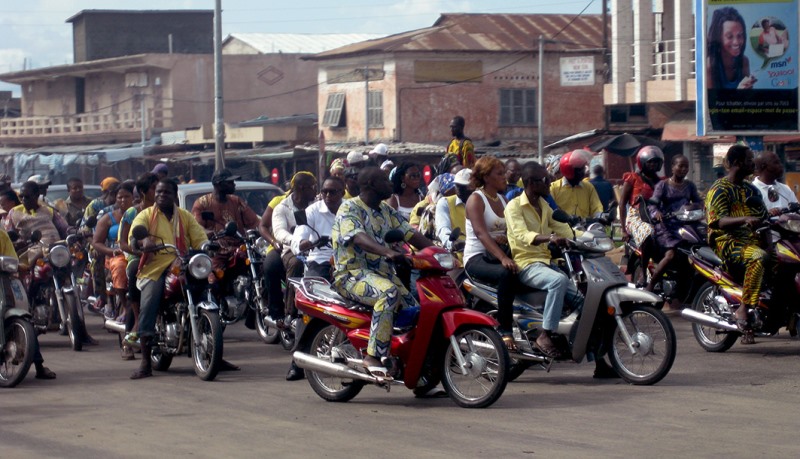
640, 186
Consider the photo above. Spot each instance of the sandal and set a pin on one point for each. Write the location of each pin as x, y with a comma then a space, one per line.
127, 353
549, 350
511, 345
379, 372
748, 337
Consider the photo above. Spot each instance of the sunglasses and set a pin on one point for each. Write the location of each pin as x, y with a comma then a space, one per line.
330, 192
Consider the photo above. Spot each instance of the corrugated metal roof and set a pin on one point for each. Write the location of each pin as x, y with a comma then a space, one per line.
268, 43
487, 32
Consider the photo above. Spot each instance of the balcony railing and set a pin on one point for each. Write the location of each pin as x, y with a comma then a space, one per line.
664, 56
83, 124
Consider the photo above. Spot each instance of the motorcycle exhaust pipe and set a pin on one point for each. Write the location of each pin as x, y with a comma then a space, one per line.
309, 362
522, 355
698, 317
113, 326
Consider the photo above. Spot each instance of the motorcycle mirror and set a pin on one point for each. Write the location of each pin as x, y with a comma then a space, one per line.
13, 235
455, 234
231, 229
393, 236
91, 222
140, 232
207, 215
300, 217
36, 236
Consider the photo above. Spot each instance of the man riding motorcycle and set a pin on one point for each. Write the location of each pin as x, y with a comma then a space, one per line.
362, 272
732, 215
167, 224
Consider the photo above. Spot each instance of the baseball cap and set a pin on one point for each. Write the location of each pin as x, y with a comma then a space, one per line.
387, 163
380, 149
160, 168
355, 157
462, 177
39, 179
108, 182
224, 175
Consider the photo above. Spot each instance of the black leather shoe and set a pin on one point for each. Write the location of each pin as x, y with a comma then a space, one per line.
295, 373
45, 373
227, 366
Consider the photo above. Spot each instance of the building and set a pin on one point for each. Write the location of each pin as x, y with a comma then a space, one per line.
408, 86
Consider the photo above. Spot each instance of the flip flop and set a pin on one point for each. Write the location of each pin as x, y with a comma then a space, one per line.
549, 351
379, 372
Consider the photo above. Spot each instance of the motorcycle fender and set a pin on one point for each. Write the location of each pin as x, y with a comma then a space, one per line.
616, 296
455, 318
16, 312
208, 306
306, 332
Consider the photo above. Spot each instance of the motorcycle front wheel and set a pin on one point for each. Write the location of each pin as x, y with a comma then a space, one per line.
655, 344
328, 387
486, 367
17, 354
75, 326
207, 354
711, 339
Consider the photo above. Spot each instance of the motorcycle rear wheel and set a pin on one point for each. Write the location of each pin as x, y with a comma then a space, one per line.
161, 361
487, 367
656, 344
328, 387
17, 354
208, 355
710, 339
75, 326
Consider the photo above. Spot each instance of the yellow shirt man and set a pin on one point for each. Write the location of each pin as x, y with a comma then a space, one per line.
581, 200
183, 222
6, 246
524, 223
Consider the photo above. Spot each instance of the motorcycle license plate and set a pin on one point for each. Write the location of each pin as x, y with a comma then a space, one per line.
20, 298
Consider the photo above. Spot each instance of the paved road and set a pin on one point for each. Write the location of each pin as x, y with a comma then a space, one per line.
742, 403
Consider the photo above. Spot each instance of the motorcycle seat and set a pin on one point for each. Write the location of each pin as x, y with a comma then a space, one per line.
523, 289
321, 290
708, 255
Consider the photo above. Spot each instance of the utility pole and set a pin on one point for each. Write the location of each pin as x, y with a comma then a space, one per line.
144, 118
540, 101
366, 105
219, 124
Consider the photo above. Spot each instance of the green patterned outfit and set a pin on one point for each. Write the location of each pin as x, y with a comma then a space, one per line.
738, 246
365, 277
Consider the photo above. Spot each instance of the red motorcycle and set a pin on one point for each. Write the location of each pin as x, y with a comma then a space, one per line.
441, 340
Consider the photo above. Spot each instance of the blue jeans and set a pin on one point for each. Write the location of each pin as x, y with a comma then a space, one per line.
559, 288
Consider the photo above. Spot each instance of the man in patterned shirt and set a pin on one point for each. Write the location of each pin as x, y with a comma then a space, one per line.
362, 269
732, 215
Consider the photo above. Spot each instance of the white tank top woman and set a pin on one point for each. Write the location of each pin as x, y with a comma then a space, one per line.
496, 224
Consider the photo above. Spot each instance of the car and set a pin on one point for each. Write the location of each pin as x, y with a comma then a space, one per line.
256, 194
56, 192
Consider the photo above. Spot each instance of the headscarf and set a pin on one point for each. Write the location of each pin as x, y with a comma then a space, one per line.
446, 182
294, 178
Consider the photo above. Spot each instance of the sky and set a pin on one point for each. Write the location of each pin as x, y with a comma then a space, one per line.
36, 35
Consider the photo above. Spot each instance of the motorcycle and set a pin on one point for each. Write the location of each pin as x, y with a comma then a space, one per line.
440, 340
678, 281
616, 318
17, 336
712, 311
51, 284
186, 323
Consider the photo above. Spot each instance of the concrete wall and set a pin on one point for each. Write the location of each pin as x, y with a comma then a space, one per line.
421, 112
100, 35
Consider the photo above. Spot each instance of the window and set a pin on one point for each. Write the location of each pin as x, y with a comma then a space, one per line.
375, 109
628, 113
517, 106
334, 111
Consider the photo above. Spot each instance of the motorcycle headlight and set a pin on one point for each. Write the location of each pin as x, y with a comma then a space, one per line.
59, 256
791, 225
446, 260
200, 266
690, 215
9, 264
261, 246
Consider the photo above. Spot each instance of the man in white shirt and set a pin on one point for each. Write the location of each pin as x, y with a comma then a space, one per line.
319, 221
776, 195
451, 212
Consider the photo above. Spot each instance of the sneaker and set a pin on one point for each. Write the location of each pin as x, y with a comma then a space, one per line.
97, 307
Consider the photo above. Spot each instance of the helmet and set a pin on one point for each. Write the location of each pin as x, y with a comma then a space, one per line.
646, 154
573, 160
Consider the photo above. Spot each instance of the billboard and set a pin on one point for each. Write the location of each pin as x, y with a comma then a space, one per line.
747, 69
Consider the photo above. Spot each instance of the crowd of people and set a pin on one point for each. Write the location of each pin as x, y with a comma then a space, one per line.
496, 216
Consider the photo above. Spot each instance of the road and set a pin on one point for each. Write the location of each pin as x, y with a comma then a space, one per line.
738, 404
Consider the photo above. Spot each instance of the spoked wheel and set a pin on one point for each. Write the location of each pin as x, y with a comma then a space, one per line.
711, 339
287, 336
654, 341
486, 367
328, 387
207, 353
75, 326
269, 335
161, 361
17, 354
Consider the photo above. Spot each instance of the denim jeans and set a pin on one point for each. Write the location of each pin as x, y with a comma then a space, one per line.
559, 289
